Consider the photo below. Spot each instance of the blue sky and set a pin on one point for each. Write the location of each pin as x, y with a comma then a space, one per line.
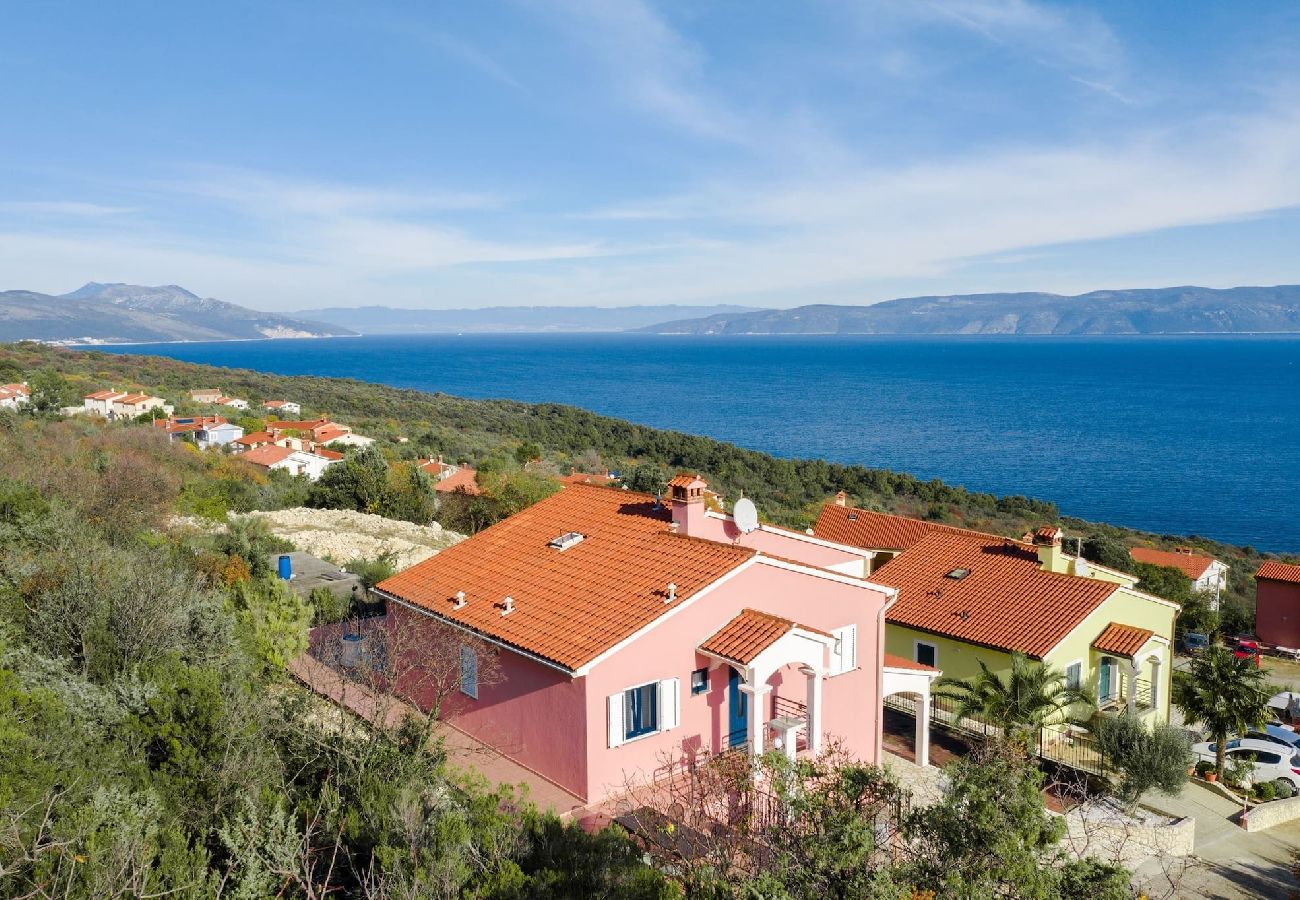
286, 155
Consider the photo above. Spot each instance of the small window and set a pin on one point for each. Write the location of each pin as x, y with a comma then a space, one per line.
1074, 676
640, 710
844, 652
699, 681
1268, 759
927, 654
469, 672
958, 574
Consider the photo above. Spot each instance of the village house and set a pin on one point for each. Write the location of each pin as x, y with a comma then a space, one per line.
315, 429
132, 405
206, 395
253, 440
966, 598
311, 464
635, 636
284, 407
205, 431
1208, 575
100, 403
1277, 604
13, 396
449, 478
232, 402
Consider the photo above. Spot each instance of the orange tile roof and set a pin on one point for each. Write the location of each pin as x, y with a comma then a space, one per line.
182, 424
877, 531
289, 425
16, 389
1193, 566
132, 398
749, 634
267, 455
104, 395
326, 434
1006, 602
1122, 640
275, 404
257, 437
901, 662
1278, 571
686, 480
326, 453
571, 605
463, 480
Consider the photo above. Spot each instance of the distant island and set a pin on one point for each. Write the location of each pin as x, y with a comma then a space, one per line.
129, 314
1174, 310
521, 319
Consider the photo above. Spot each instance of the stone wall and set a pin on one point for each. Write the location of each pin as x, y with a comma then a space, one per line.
1275, 812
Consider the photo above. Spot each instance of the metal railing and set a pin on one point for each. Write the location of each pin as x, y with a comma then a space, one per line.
783, 706
1068, 745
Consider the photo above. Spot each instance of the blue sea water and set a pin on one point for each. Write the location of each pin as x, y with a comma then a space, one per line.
1186, 435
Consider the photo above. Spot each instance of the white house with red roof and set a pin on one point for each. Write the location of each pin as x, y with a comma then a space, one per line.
635, 637
13, 396
136, 404
449, 478
1208, 575
309, 463
283, 407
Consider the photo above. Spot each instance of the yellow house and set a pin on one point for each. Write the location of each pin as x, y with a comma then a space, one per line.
966, 597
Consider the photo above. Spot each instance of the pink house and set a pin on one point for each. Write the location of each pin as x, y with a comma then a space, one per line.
635, 636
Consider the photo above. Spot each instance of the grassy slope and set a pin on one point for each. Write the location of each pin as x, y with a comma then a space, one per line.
786, 491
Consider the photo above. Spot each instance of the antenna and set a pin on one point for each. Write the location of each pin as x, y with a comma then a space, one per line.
745, 515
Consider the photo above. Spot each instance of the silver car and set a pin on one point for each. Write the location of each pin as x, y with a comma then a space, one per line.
1272, 761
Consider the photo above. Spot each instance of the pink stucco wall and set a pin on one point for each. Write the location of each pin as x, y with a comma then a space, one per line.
777, 544
1277, 612
850, 701
533, 714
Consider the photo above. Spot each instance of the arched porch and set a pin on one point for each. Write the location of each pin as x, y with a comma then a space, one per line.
903, 677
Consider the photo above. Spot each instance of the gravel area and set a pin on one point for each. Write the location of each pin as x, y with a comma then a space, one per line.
342, 535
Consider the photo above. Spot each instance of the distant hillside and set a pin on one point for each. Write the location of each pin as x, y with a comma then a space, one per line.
1175, 310
388, 320
127, 313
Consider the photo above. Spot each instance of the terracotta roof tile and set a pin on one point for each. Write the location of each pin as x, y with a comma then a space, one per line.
463, 479
877, 531
901, 662
686, 480
1278, 571
267, 455
257, 437
569, 605
1005, 601
1122, 640
1193, 566
749, 634
588, 478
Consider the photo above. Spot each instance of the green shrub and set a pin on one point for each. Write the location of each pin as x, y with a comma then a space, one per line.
327, 606
1283, 789
1266, 791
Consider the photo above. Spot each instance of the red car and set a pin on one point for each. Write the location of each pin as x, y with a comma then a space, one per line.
1247, 650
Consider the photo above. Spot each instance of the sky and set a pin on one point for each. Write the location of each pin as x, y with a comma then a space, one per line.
290, 155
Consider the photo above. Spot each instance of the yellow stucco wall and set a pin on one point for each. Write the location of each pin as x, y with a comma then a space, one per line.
958, 659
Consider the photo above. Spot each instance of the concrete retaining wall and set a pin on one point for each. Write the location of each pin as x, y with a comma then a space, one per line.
1130, 843
1275, 812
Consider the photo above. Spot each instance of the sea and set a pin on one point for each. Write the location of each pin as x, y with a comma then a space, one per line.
1176, 435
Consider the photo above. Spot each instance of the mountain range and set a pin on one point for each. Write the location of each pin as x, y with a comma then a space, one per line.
127, 313
390, 320
1174, 310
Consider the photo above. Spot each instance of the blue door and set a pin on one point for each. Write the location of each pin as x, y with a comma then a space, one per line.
737, 711
1103, 689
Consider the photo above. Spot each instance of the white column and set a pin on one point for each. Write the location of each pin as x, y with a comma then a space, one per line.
1132, 687
757, 695
923, 729
814, 725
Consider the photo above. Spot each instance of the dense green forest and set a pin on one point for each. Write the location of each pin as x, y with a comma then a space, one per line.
152, 743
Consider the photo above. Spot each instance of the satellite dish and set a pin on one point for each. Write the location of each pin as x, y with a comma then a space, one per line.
745, 515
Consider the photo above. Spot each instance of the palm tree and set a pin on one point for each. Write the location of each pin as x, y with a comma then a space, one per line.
1226, 694
1019, 702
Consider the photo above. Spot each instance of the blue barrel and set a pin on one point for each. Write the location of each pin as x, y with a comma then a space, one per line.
286, 567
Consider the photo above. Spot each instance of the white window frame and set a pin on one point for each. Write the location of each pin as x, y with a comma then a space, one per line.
468, 665
916, 652
844, 652
668, 707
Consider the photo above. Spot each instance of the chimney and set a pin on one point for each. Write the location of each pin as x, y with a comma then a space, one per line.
689, 514
508, 606
1048, 542
841, 499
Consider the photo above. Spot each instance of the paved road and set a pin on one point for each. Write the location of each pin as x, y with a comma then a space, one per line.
1229, 863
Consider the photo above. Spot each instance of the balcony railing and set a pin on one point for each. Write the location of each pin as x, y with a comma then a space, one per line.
782, 706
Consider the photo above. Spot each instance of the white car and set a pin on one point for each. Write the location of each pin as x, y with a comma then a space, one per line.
1273, 761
